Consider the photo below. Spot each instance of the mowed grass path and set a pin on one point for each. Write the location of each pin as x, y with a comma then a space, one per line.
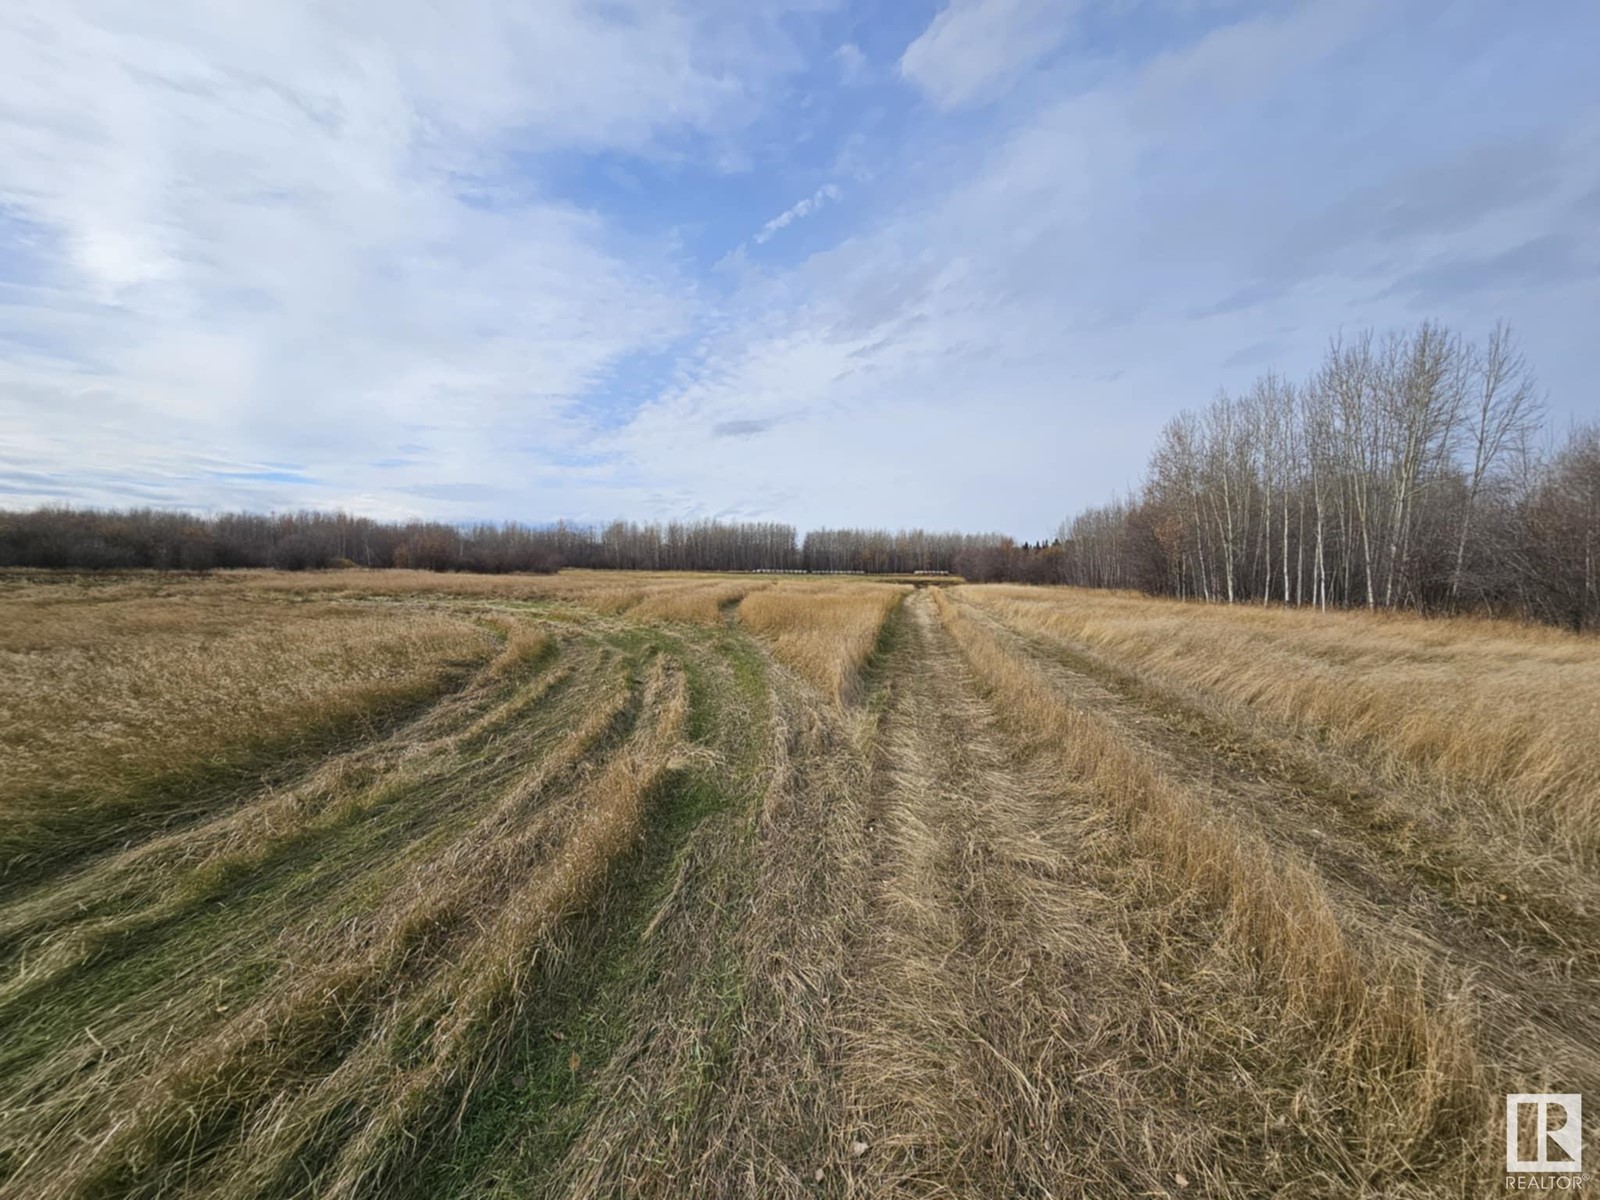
605, 884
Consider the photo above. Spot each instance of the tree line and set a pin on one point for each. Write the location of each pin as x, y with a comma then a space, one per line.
99, 539
1407, 471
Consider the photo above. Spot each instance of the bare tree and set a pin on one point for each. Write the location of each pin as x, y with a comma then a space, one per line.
1394, 476
1503, 412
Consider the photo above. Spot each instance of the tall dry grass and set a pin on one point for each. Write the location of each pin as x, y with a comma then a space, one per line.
140, 686
310, 990
1406, 1073
1504, 711
603, 591
825, 631
609, 591
358, 1052
126, 713
155, 881
701, 601
468, 1017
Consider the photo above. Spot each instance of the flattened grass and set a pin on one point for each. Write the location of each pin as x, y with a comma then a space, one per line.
1501, 713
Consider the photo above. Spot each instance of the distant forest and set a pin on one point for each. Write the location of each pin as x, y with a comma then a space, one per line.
1408, 471
165, 540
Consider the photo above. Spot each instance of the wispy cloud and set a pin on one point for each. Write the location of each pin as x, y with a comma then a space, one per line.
742, 428
802, 208
308, 231
463, 263
1028, 323
975, 48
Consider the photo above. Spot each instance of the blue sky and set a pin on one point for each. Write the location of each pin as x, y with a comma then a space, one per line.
905, 263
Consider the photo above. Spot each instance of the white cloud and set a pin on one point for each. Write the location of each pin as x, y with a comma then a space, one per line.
287, 231
1002, 347
803, 208
240, 242
974, 49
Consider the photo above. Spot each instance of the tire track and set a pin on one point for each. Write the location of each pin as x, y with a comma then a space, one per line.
1534, 992
983, 1050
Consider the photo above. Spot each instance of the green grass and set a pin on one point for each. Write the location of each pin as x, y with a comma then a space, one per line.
518, 1128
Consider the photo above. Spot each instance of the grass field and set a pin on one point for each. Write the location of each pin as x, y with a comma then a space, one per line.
383, 884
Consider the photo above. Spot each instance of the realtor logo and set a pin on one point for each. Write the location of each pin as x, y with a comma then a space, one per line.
1552, 1140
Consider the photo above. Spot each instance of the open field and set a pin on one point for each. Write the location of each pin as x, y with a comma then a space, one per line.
388, 883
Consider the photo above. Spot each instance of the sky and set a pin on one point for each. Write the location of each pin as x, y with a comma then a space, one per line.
888, 263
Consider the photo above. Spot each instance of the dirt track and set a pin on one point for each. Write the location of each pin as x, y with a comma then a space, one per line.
979, 978
1013, 1026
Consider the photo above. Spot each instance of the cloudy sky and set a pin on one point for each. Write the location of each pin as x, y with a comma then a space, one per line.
888, 262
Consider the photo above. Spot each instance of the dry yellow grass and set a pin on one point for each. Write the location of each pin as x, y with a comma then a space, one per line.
705, 602
1408, 1073
126, 688
135, 707
482, 1003
164, 877
604, 591
723, 886
524, 645
825, 631
1508, 711
517, 831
